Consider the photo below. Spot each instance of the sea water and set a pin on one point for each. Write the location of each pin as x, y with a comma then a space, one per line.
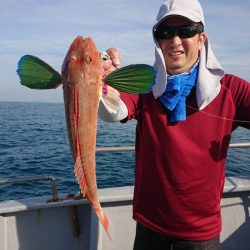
34, 141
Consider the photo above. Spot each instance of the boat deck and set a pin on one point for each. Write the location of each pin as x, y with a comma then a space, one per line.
70, 224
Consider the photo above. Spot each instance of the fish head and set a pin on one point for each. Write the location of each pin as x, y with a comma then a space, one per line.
82, 60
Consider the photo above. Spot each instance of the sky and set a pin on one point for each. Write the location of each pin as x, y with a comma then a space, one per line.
46, 28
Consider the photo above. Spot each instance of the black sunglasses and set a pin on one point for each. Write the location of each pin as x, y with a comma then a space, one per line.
185, 31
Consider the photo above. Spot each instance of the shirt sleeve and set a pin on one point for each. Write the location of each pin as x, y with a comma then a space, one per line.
111, 107
113, 113
241, 96
132, 103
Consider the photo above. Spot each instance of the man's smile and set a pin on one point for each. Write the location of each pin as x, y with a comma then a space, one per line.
175, 53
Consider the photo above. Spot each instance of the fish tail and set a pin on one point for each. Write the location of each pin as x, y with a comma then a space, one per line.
83, 186
103, 219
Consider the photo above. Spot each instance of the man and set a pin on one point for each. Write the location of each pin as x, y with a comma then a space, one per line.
183, 132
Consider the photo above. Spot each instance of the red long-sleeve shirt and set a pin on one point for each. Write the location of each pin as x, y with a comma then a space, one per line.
180, 167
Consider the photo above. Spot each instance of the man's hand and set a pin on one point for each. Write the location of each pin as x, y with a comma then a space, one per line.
115, 56
113, 62
111, 107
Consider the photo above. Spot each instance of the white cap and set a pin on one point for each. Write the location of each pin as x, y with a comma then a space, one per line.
190, 9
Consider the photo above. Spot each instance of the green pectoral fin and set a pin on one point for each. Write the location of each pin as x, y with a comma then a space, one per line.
134, 78
37, 74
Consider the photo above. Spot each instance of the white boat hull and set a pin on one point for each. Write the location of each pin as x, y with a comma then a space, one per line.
34, 224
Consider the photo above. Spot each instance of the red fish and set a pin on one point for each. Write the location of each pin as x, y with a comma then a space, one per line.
81, 78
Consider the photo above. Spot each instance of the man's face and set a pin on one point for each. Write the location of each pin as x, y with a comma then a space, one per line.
180, 54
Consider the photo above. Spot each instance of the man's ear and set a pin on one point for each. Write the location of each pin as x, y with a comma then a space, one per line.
202, 39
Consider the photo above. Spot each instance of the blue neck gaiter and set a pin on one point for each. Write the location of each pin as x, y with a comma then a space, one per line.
178, 88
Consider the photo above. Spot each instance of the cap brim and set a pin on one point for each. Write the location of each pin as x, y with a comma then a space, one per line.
190, 16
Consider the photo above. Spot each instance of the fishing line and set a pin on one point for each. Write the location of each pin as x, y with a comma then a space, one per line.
215, 116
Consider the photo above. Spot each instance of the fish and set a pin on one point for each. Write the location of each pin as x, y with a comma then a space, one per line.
83, 83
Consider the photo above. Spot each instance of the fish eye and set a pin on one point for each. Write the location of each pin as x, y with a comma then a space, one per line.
87, 59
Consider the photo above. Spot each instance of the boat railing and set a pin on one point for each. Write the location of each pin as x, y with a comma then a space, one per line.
34, 179
98, 150
132, 148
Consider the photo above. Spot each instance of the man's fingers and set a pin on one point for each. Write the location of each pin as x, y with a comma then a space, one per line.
106, 64
108, 67
115, 56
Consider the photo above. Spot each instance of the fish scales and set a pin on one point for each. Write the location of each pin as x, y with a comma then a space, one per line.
81, 78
